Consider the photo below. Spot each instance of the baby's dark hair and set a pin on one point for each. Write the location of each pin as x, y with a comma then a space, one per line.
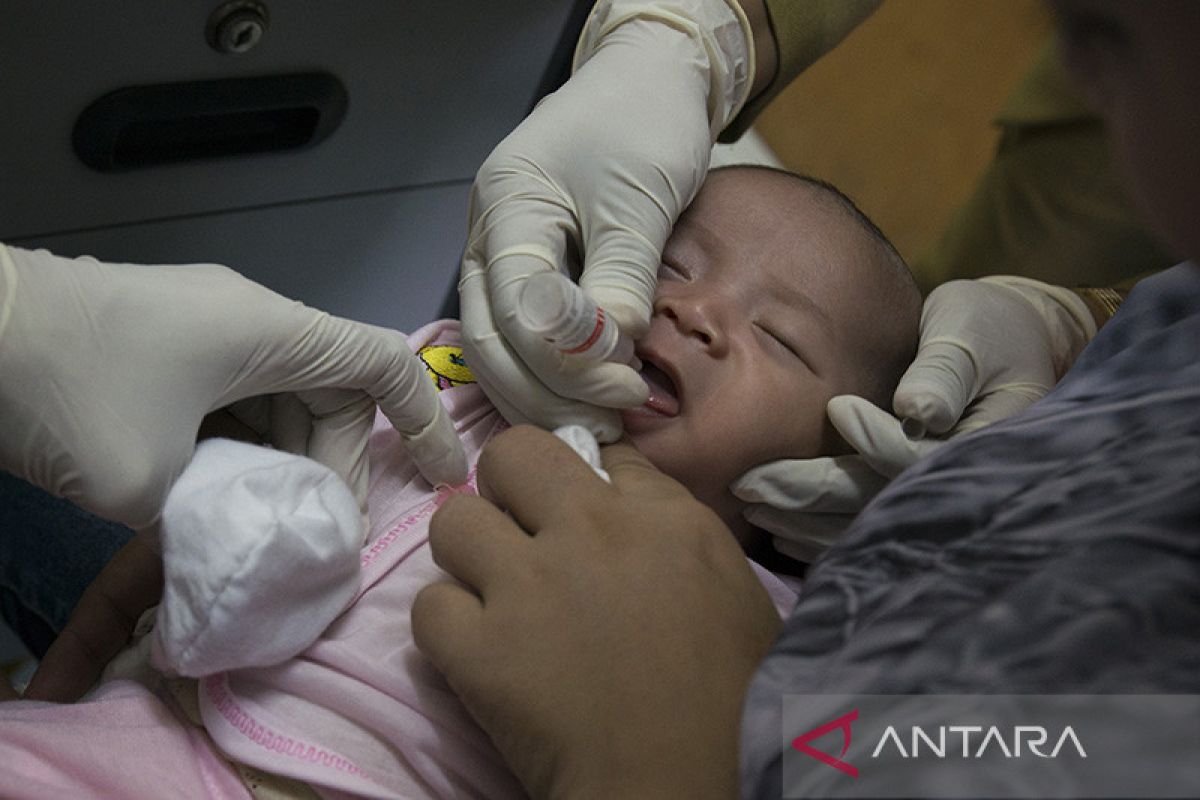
891, 339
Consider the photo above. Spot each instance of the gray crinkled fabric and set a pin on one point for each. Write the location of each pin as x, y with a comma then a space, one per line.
1055, 552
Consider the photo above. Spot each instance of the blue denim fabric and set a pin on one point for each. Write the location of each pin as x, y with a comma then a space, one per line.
50, 550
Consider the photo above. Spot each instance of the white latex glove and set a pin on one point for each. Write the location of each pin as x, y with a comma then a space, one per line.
108, 369
989, 348
603, 167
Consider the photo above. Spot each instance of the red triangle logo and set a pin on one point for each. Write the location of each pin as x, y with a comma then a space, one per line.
800, 743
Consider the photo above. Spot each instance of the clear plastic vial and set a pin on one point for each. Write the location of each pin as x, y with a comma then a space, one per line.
554, 307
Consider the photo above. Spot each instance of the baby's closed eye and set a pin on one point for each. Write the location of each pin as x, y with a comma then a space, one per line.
778, 340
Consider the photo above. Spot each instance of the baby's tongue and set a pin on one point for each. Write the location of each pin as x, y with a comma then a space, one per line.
662, 391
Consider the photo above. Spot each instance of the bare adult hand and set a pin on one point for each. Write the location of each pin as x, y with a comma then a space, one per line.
100, 625
603, 635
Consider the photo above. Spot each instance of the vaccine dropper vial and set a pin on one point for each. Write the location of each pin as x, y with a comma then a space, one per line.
554, 307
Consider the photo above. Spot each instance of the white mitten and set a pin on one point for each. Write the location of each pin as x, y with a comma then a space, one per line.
260, 554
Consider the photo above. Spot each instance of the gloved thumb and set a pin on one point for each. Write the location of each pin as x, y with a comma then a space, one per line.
621, 267
937, 386
1000, 404
876, 435
815, 486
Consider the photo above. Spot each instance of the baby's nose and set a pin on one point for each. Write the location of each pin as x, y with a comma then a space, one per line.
695, 317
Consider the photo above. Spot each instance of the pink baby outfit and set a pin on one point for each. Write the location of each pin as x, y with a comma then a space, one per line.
359, 713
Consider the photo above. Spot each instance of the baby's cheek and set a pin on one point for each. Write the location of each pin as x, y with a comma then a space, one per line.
680, 453
657, 448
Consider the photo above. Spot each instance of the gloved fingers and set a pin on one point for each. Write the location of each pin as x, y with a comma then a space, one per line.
804, 537
938, 385
602, 384
826, 485
537, 405
509, 383
432, 441
310, 349
621, 269
999, 403
597, 383
340, 424
437, 451
877, 435
624, 247
327, 425
290, 423
331, 352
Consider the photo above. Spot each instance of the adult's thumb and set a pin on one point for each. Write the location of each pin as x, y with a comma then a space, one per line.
939, 384
620, 274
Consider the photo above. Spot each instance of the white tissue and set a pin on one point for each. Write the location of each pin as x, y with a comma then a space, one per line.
584, 443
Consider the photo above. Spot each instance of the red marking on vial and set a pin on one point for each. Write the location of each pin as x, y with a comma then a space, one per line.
591, 340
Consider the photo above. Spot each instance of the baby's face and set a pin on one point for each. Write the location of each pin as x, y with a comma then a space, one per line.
749, 336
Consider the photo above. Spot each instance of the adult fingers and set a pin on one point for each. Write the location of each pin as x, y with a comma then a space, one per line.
999, 404
829, 484
517, 468
290, 422
522, 229
72, 663
100, 625
340, 423
633, 474
333, 353
411, 404
621, 272
877, 436
474, 541
937, 386
599, 383
446, 620
802, 536
510, 384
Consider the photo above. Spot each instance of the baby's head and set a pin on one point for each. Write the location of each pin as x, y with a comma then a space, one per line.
775, 294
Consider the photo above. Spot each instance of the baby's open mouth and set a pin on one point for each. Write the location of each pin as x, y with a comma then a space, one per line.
664, 397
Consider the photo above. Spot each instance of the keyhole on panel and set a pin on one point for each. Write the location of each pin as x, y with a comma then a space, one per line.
237, 27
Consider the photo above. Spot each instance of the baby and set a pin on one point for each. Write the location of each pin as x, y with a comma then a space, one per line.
775, 294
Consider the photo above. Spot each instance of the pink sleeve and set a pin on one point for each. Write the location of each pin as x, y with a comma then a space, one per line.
783, 589
120, 741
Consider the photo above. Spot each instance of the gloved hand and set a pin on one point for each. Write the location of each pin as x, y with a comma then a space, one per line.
602, 167
989, 348
108, 370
